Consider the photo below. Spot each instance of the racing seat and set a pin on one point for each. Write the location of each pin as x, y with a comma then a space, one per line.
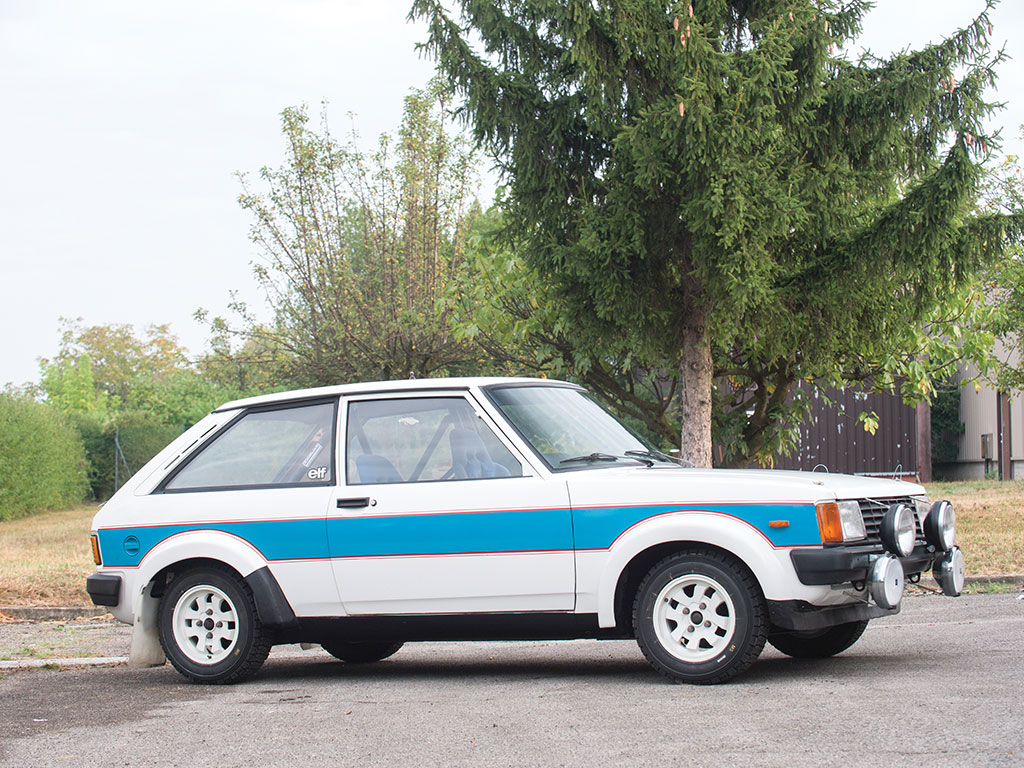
470, 458
376, 469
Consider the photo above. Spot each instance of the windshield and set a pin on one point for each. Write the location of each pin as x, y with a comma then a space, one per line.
568, 428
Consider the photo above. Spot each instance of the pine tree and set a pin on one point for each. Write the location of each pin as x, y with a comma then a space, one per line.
716, 177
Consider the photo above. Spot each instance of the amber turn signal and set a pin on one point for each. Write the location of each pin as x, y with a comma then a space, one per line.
95, 548
829, 522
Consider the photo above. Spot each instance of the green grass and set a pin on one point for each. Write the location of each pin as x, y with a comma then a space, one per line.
990, 588
990, 523
45, 559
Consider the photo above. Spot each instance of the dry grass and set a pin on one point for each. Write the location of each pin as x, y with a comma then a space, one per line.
45, 559
990, 523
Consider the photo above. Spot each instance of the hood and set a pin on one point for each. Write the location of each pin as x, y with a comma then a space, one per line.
685, 484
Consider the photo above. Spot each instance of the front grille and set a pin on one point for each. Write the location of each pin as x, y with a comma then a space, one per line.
873, 510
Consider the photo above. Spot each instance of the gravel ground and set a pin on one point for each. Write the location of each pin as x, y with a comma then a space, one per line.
98, 636
101, 637
98, 639
937, 685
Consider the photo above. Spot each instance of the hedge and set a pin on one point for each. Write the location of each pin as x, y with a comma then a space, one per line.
42, 462
141, 436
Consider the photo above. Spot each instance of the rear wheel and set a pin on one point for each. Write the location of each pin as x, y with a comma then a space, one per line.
819, 643
361, 653
209, 628
700, 617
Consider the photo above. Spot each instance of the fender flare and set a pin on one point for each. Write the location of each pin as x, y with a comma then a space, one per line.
272, 606
725, 532
200, 544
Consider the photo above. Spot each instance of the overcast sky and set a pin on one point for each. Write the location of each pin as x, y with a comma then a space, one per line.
123, 122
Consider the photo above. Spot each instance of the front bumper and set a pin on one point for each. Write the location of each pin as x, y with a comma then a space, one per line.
104, 589
839, 565
801, 616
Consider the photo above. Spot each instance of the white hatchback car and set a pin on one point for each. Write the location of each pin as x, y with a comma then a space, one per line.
364, 516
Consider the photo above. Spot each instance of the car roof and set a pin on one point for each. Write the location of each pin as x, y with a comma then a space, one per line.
376, 387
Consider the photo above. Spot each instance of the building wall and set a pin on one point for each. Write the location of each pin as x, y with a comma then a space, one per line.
979, 414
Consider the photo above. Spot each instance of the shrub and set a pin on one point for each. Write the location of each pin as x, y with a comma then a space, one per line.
42, 462
140, 434
99, 451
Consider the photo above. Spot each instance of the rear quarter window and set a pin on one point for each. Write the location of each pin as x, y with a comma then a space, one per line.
268, 447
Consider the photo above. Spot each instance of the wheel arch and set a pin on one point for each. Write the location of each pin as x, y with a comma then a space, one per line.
634, 554
272, 607
637, 568
198, 549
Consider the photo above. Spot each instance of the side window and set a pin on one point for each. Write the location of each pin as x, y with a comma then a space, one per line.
423, 439
268, 447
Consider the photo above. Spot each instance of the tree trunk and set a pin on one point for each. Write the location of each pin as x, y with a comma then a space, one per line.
695, 374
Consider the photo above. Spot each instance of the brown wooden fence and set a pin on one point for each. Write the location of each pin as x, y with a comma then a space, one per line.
831, 436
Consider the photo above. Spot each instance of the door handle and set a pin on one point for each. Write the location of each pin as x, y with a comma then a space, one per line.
362, 501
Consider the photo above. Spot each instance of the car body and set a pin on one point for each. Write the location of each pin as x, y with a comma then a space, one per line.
364, 516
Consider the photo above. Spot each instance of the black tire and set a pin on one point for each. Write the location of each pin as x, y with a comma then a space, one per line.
361, 653
722, 595
229, 644
819, 643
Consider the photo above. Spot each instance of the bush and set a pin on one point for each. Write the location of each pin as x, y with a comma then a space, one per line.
42, 462
99, 450
141, 436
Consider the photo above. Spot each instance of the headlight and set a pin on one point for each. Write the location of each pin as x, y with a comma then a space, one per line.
898, 530
940, 526
852, 520
840, 522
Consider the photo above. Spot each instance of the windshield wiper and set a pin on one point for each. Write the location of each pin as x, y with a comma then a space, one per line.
609, 457
654, 454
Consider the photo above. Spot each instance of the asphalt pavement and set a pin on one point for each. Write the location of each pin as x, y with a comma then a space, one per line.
937, 685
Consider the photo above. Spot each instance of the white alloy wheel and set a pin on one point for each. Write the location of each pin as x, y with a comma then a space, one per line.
694, 618
205, 624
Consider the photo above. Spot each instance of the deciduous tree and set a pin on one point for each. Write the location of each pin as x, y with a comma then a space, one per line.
361, 253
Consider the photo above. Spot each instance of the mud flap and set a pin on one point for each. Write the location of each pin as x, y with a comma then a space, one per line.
145, 648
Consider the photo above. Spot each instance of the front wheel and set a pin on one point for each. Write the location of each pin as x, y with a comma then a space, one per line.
700, 617
209, 628
819, 643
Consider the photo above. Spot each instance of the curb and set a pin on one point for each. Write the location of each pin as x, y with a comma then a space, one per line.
71, 663
52, 613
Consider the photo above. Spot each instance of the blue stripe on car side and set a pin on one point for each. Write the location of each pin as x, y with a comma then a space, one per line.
275, 539
598, 527
457, 533
594, 528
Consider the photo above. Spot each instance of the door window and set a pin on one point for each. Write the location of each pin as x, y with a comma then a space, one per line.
413, 440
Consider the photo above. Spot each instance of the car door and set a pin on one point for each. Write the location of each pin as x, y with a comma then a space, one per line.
437, 512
